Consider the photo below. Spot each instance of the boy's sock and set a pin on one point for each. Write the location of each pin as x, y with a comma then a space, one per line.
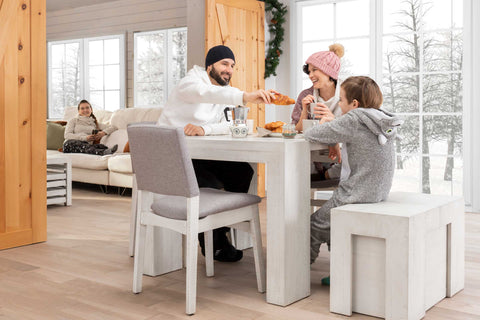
326, 281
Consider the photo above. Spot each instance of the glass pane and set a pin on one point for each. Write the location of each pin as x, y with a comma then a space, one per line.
179, 55
58, 55
112, 77
400, 93
96, 78
356, 60
72, 86
438, 14
457, 14
442, 135
96, 99
313, 16
95, 52
57, 80
410, 133
442, 92
112, 51
112, 100
443, 51
400, 16
400, 54
347, 22
446, 175
150, 57
56, 105
149, 94
72, 54
407, 173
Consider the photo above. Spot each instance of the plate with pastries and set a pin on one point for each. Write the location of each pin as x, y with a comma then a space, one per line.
271, 129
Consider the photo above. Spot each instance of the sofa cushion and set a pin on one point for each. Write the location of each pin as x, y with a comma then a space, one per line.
102, 116
117, 137
55, 133
121, 118
88, 161
120, 163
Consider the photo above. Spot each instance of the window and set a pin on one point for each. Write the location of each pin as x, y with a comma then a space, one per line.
419, 67
160, 61
92, 69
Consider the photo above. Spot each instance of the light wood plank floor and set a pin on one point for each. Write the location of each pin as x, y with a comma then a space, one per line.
83, 271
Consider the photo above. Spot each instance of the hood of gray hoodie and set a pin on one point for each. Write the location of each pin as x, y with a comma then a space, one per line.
382, 123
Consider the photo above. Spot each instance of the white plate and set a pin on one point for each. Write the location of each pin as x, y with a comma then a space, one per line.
275, 134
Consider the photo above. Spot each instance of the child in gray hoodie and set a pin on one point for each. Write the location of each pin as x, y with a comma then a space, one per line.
368, 133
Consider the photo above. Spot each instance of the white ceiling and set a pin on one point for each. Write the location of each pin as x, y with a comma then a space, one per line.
54, 5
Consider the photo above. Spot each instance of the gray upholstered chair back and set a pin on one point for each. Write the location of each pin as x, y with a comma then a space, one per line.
161, 161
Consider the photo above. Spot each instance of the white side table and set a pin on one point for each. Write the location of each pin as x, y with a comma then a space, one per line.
59, 180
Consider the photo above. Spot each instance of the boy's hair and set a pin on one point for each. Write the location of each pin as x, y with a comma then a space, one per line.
91, 115
363, 89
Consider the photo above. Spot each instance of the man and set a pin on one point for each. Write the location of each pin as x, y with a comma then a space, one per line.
197, 104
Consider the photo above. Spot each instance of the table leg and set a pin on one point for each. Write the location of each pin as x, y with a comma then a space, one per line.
288, 225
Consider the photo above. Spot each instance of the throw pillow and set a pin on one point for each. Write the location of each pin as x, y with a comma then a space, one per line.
55, 136
126, 148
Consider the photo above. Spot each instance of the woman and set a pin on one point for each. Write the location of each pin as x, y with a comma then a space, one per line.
322, 68
82, 131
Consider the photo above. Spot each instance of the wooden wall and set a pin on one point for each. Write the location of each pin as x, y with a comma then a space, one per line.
23, 212
117, 17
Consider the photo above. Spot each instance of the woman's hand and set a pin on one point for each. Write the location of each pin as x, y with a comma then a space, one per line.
91, 138
306, 103
100, 135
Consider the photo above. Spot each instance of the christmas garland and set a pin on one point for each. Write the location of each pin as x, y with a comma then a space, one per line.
275, 27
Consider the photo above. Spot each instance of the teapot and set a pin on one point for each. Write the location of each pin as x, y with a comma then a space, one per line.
239, 128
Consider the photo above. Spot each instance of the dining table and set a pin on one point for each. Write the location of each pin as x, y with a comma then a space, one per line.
287, 210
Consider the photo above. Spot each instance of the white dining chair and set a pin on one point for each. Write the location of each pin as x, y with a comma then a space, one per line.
169, 197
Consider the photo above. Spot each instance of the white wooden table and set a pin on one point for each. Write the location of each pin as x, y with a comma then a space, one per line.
288, 211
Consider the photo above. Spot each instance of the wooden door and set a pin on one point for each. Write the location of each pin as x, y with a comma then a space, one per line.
23, 212
239, 24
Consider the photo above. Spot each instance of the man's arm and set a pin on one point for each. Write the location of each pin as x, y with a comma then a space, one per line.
193, 130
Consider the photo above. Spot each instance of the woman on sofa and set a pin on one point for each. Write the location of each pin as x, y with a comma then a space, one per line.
82, 131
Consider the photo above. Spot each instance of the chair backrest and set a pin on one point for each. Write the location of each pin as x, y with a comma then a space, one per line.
161, 161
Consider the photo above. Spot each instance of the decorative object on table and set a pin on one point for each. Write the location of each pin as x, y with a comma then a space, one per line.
275, 27
275, 126
239, 128
282, 100
288, 131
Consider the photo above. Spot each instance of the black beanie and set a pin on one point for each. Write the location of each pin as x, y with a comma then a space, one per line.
218, 53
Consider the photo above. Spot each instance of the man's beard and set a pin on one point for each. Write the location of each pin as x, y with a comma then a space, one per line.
216, 76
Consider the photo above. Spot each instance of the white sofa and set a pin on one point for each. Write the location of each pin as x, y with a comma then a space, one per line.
109, 170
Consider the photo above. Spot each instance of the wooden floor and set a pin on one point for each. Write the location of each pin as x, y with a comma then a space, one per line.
83, 271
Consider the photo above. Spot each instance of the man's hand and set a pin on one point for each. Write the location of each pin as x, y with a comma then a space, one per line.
193, 130
259, 96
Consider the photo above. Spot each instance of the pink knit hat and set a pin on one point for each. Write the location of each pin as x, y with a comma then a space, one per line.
328, 61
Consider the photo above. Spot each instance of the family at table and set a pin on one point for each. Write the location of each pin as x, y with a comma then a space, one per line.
349, 113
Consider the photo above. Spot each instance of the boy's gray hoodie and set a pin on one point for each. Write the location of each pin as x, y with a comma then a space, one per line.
368, 135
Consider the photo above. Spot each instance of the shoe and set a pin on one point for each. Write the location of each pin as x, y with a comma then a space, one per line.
111, 150
326, 281
228, 254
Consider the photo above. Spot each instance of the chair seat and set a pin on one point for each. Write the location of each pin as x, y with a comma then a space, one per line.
211, 201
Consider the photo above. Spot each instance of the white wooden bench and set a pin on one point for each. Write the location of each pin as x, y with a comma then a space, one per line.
398, 258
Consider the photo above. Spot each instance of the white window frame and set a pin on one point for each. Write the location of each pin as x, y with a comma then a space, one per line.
84, 82
167, 75
471, 82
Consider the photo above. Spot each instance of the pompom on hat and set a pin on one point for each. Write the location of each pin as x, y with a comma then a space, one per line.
328, 61
218, 53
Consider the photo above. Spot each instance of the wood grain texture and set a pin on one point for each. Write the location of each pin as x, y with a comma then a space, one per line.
84, 272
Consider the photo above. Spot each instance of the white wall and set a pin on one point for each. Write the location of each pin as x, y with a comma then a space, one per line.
117, 17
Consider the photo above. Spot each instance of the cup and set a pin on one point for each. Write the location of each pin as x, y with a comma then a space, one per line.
308, 123
250, 126
312, 109
288, 131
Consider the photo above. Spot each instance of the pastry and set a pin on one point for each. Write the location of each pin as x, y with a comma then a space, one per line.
275, 126
283, 100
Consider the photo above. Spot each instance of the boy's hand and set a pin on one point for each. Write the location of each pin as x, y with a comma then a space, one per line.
335, 152
193, 130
